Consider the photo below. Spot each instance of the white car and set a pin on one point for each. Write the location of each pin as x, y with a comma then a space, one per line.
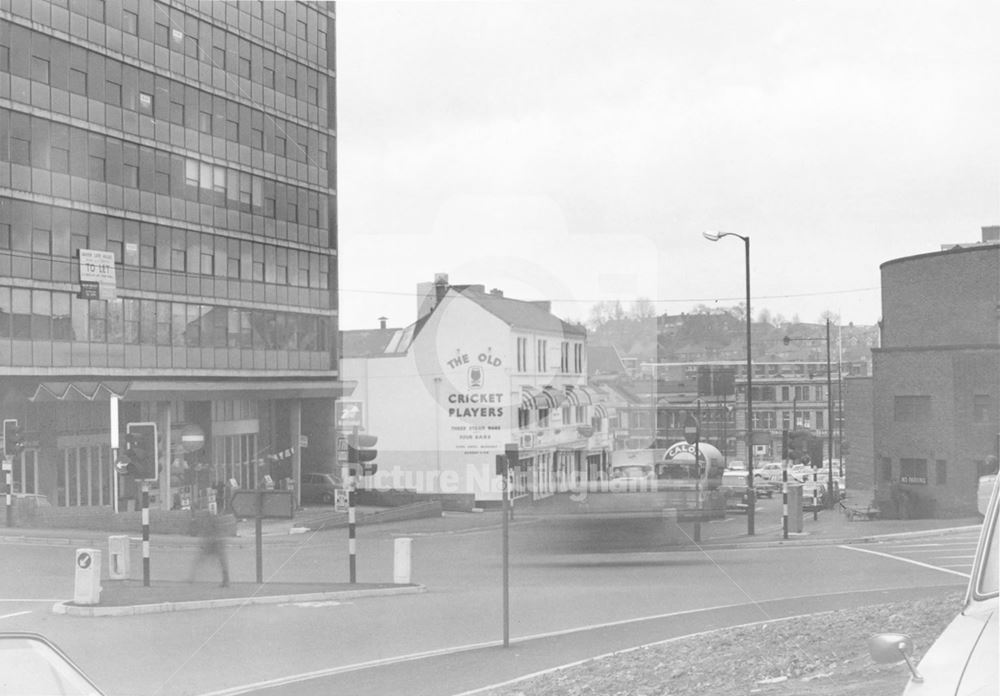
963, 660
768, 471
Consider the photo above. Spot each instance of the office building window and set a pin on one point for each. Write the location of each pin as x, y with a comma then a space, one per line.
59, 160
130, 22
40, 70
113, 93
146, 103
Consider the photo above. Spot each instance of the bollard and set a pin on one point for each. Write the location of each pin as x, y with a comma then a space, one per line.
87, 581
119, 562
401, 561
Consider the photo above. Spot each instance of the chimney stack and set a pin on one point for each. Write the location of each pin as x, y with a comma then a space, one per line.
382, 321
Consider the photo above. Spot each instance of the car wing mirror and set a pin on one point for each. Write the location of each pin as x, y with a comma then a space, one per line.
888, 648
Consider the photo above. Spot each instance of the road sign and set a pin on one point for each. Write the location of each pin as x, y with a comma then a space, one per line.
263, 504
192, 438
340, 500
349, 415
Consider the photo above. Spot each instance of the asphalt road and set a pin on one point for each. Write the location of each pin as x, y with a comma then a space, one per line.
211, 651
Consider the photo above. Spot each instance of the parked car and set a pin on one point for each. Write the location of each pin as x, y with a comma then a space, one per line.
31, 664
319, 488
736, 465
768, 471
963, 660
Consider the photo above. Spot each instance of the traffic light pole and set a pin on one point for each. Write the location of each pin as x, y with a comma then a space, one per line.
506, 552
145, 533
352, 473
8, 467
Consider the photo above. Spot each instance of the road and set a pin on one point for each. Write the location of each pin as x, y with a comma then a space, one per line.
600, 601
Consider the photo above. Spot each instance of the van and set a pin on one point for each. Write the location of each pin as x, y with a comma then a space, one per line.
963, 660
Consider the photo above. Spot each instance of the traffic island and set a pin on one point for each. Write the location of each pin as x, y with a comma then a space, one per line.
130, 597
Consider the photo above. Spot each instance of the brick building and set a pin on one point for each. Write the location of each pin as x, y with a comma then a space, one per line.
936, 379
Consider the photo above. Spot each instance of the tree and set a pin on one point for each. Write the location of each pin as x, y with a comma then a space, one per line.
643, 308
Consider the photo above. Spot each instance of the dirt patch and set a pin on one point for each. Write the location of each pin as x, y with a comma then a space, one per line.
820, 655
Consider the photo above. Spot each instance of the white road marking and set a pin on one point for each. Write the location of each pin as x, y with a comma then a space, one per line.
311, 605
905, 560
17, 613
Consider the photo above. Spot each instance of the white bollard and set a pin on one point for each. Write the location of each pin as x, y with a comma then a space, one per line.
119, 562
87, 579
401, 561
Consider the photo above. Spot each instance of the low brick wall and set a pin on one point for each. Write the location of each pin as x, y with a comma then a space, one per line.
105, 519
453, 502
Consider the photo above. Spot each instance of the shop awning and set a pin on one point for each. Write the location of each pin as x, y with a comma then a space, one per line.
535, 398
580, 396
600, 411
78, 391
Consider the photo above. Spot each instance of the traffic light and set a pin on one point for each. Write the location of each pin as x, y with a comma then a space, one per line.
361, 450
13, 438
139, 457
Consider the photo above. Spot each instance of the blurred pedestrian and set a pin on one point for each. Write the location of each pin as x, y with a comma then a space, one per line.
213, 543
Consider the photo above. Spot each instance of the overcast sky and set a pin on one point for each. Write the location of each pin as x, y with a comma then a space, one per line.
575, 151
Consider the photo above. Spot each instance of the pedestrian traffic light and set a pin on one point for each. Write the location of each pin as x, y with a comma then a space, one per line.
139, 458
13, 438
361, 450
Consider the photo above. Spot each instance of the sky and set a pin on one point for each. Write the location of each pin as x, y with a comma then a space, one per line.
576, 151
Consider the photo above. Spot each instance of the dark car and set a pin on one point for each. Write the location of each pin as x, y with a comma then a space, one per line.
319, 488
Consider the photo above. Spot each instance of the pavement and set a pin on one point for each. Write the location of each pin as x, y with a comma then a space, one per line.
129, 597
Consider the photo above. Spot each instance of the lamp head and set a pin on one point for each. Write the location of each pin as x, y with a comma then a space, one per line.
712, 235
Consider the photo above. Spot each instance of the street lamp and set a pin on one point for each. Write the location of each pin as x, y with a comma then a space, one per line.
751, 502
829, 406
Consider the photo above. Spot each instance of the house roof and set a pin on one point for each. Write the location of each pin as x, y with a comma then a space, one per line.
519, 314
604, 360
362, 343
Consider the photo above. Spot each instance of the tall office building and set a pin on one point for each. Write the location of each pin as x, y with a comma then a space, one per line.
168, 236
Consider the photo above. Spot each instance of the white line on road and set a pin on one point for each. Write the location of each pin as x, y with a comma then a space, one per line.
17, 613
905, 560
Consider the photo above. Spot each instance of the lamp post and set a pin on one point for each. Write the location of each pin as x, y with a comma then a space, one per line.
829, 407
751, 502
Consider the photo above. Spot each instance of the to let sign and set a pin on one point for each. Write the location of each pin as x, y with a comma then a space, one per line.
98, 267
